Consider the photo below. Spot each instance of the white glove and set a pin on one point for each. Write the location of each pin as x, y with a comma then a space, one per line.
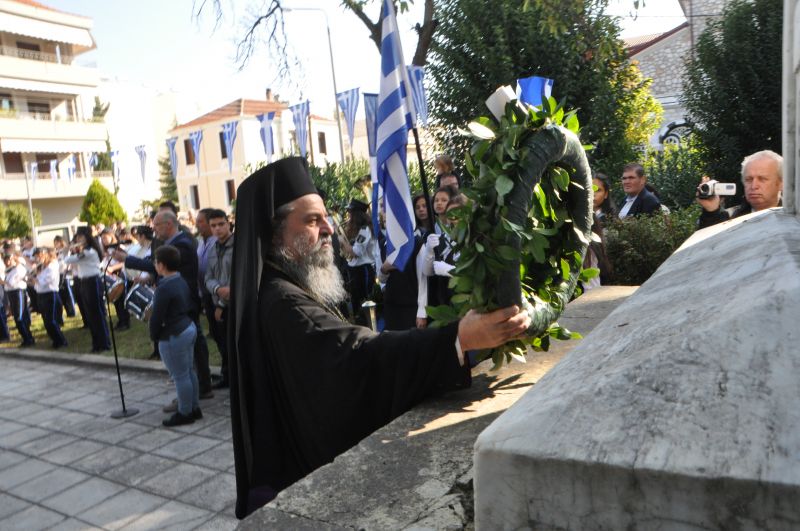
431, 243
442, 269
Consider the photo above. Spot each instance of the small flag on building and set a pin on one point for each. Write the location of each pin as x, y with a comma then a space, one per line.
300, 118
115, 164
396, 115
173, 157
142, 152
229, 137
54, 172
266, 134
197, 138
34, 173
371, 118
532, 89
348, 101
416, 75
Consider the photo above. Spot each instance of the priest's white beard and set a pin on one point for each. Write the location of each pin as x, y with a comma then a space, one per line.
312, 267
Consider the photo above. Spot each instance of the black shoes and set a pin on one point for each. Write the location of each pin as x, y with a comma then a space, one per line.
197, 414
179, 420
220, 384
25, 344
154, 356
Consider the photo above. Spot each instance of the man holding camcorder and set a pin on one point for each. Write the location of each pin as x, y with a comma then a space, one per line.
762, 177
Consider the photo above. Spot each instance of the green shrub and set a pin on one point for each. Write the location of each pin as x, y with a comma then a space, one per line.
15, 220
101, 206
675, 172
637, 247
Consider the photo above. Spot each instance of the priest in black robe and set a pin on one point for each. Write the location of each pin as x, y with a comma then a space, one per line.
306, 385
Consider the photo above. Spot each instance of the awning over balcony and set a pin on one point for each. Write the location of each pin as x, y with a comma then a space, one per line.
41, 86
22, 145
47, 31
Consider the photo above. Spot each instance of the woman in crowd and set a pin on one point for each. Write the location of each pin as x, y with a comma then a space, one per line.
141, 249
604, 207
443, 164
440, 201
359, 246
423, 221
176, 333
64, 283
85, 257
115, 268
46, 286
16, 291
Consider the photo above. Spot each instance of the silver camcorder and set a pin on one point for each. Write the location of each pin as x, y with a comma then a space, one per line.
712, 188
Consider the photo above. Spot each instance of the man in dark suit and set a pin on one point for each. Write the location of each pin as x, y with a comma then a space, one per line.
638, 199
166, 228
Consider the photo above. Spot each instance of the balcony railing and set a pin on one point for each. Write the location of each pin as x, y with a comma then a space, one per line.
35, 56
45, 175
41, 116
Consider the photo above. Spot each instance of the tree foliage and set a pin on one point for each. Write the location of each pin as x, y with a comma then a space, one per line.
101, 206
99, 111
15, 220
732, 85
675, 172
166, 182
478, 49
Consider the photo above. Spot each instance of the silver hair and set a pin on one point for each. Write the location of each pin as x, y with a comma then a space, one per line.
168, 215
312, 267
765, 154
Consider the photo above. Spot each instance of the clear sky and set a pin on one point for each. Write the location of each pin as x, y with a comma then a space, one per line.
157, 43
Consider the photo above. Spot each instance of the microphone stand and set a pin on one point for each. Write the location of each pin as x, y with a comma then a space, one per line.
124, 412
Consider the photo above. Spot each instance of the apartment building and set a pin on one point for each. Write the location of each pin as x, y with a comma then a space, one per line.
46, 103
209, 179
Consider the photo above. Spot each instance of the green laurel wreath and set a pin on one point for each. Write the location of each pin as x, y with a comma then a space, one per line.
549, 245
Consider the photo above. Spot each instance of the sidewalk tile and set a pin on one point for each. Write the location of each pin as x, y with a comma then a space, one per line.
22, 411
47, 443
219, 429
10, 505
177, 480
220, 457
82, 496
22, 472
122, 509
186, 447
122, 431
10, 427
149, 441
139, 469
219, 523
33, 517
217, 493
9, 458
59, 396
72, 452
173, 515
87, 403
108, 458
20, 437
73, 524
44, 416
67, 421
48, 484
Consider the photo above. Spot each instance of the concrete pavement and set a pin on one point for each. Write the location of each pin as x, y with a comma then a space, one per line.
65, 464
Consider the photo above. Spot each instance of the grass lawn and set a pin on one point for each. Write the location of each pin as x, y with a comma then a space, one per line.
132, 343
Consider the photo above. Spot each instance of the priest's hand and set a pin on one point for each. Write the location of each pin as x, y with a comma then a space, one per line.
488, 330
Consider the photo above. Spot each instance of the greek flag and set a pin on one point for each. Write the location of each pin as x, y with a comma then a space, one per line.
116, 163
54, 172
395, 117
416, 74
197, 138
371, 118
300, 118
140, 150
173, 156
229, 136
348, 101
70, 167
266, 134
34, 172
532, 89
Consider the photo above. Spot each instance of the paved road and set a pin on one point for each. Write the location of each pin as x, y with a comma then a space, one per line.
65, 464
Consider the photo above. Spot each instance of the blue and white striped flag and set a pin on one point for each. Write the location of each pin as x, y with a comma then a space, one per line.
71, 167
116, 165
34, 173
141, 151
371, 117
266, 134
531, 89
395, 117
173, 156
416, 75
300, 118
54, 172
197, 138
348, 101
229, 136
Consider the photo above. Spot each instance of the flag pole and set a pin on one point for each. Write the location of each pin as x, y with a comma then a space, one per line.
424, 178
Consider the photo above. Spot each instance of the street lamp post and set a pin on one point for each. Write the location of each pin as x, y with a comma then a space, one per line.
333, 73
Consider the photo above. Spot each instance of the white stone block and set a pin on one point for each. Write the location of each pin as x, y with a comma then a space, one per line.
680, 411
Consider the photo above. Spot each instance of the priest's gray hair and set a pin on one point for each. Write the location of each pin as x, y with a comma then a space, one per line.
311, 266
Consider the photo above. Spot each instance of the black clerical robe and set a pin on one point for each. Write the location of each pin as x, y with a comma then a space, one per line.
319, 385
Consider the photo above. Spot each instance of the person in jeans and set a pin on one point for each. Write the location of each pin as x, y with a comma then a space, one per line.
176, 332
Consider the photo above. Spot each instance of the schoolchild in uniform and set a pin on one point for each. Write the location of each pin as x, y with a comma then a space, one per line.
85, 257
16, 289
64, 282
359, 247
46, 286
4, 335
